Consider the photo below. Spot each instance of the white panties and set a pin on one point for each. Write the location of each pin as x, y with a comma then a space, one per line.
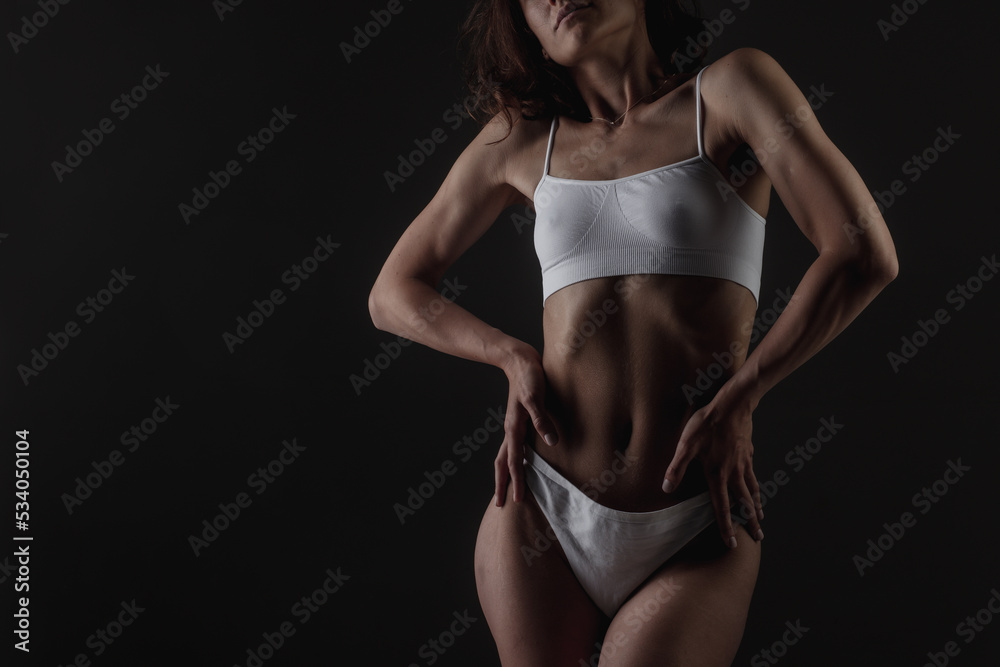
611, 552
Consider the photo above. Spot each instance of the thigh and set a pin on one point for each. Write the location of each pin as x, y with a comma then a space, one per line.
692, 611
538, 613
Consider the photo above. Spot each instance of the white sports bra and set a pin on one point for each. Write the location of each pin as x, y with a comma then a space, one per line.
683, 218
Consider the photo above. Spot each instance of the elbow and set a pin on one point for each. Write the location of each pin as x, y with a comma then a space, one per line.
875, 268
882, 264
389, 304
879, 256
889, 268
376, 307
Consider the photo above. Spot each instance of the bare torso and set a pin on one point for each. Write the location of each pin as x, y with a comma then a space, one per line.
618, 351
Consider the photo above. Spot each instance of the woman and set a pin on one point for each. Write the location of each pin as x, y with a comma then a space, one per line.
651, 271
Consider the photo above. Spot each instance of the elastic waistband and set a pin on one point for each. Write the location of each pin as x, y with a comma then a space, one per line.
578, 497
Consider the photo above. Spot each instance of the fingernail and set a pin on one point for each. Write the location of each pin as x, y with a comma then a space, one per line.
550, 439
760, 514
732, 542
759, 534
668, 486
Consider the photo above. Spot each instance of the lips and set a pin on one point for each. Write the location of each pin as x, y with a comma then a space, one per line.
568, 9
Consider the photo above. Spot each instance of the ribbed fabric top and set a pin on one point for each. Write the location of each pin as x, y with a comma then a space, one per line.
683, 218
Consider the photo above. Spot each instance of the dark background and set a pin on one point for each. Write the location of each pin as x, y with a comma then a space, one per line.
365, 446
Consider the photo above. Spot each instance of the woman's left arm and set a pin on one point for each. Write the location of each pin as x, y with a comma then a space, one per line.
758, 102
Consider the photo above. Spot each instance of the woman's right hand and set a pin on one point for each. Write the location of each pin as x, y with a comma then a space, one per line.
525, 405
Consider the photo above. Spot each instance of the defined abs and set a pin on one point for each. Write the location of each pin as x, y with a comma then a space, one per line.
622, 376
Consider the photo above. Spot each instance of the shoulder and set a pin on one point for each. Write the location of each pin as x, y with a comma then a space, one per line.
743, 68
509, 151
492, 147
510, 135
750, 88
501, 157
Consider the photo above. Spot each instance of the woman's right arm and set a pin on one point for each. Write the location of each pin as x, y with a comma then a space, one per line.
404, 299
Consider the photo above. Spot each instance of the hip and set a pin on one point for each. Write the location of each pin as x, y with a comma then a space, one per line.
628, 478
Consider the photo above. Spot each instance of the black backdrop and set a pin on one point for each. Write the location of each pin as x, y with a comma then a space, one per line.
276, 418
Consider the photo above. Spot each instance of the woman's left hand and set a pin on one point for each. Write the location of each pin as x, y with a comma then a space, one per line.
718, 435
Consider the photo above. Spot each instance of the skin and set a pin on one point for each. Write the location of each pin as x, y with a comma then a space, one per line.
620, 390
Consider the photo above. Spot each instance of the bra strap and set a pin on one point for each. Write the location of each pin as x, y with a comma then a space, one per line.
698, 113
548, 150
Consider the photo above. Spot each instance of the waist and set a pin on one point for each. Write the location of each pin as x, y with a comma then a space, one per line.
589, 499
618, 454
622, 381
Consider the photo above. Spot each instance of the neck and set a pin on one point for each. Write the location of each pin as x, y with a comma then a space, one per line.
610, 86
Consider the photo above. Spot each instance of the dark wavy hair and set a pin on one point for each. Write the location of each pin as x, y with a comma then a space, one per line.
505, 70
